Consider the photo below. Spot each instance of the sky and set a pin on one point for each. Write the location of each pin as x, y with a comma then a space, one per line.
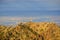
13, 11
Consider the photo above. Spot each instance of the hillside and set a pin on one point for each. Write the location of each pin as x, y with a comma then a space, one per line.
31, 31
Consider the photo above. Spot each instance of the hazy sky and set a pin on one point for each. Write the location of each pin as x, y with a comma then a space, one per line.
10, 10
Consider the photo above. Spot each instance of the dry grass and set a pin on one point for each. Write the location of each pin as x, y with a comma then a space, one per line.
31, 31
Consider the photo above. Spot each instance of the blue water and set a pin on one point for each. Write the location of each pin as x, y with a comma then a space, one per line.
28, 8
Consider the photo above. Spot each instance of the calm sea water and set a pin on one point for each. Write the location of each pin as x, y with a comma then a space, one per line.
26, 8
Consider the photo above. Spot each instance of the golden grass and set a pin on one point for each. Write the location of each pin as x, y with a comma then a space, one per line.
31, 31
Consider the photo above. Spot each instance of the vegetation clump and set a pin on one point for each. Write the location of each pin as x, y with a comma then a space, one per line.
31, 31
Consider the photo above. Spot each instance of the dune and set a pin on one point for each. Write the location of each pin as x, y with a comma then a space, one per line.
31, 31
